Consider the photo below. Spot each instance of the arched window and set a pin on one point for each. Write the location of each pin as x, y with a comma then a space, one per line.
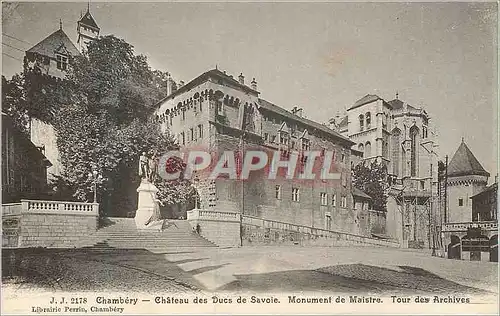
368, 120
396, 151
368, 149
414, 133
361, 122
361, 148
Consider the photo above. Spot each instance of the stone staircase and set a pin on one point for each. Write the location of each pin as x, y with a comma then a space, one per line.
121, 233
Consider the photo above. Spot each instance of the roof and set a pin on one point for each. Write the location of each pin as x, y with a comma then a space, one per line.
281, 111
88, 20
359, 193
53, 43
214, 73
465, 163
493, 187
369, 98
397, 104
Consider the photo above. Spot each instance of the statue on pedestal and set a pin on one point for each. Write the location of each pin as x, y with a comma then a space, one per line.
148, 214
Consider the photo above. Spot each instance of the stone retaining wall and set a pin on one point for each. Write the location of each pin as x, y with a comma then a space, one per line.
50, 224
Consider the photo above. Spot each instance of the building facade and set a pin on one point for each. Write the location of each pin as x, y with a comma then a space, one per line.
470, 229
218, 113
398, 135
24, 167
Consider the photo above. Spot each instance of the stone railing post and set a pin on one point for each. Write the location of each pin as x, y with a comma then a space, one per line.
24, 206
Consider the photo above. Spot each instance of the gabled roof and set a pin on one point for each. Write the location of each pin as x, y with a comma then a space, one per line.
281, 111
88, 20
53, 43
464, 163
369, 98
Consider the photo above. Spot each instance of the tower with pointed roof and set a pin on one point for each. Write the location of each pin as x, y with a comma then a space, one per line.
87, 30
51, 57
466, 178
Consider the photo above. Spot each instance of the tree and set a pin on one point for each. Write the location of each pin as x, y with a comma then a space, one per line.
14, 101
108, 122
372, 180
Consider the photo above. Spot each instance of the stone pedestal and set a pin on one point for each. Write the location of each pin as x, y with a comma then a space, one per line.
146, 205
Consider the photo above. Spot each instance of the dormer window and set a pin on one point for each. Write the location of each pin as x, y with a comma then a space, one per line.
62, 62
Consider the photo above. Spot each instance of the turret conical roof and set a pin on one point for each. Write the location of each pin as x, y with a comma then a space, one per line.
464, 163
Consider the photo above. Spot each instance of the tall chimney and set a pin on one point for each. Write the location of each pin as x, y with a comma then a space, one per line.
170, 85
254, 84
241, 78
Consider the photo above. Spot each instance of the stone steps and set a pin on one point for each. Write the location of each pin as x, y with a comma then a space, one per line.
122, 234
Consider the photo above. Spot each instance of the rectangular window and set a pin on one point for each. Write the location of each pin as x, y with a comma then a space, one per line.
342, 159
201, 106
278, 192
193, 136
183, 137
422, 184
460, 202
295, 194
183, 114
62, 62
324, 198
334, 199
343, 202
266, 136
200, 130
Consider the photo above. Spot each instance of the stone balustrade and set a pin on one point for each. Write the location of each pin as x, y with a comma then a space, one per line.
38, 223
463, 226
199, 214
301, 232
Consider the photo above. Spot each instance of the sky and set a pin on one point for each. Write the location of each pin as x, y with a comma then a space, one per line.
318, 56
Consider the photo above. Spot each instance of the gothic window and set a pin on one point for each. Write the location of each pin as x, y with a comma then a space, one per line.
361, 122
396, 151
368, 149
193, 136
414, 147
62, 62
424, 132
368, 120
334, 199
183, 137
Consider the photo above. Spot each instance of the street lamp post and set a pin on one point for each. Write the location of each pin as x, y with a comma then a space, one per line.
95, 176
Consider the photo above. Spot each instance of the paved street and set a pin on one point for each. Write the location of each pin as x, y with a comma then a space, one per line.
255, 269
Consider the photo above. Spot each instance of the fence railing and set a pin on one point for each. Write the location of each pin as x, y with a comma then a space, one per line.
273, 224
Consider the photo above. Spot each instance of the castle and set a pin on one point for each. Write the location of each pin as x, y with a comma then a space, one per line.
51, 58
